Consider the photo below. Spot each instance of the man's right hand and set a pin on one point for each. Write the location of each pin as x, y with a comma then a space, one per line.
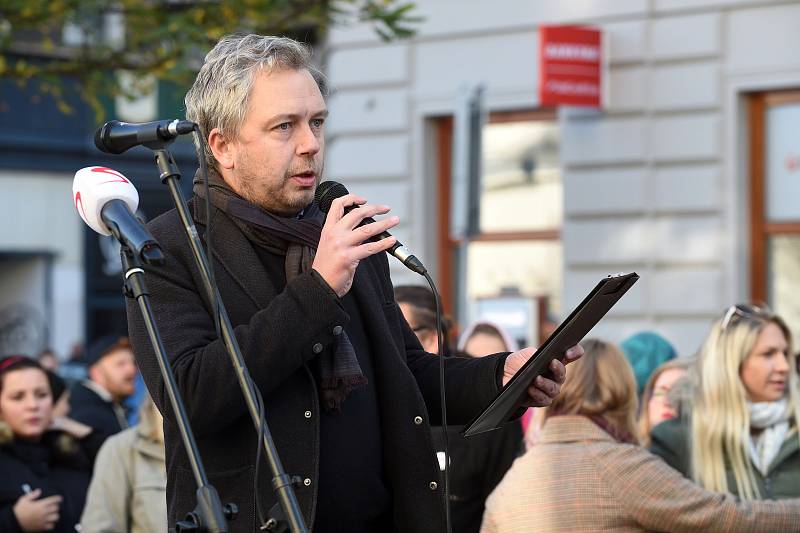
342, 244
37, 515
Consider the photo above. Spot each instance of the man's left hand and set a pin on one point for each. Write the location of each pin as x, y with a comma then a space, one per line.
542, 391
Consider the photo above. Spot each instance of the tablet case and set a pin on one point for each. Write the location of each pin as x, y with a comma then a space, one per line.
582, 319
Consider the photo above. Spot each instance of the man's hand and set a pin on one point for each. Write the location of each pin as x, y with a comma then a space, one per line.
342, 247
542, 391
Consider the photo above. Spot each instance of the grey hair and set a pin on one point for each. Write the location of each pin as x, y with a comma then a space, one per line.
220, 94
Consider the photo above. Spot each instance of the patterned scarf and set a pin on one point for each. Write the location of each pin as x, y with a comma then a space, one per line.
297, 240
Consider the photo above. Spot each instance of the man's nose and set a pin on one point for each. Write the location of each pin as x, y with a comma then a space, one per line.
309, 143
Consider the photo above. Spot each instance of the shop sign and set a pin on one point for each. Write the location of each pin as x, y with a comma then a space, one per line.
571, 66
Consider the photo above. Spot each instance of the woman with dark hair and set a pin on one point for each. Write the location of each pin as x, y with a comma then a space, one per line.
419, 309
45, 462
588, 473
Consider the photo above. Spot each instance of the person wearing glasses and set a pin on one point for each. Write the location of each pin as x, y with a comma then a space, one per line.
740, 434
477, 464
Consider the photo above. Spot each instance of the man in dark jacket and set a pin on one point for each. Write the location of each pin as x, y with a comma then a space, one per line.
98, 401
349, 393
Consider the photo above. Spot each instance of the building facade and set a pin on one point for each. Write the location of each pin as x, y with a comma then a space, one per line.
686, 175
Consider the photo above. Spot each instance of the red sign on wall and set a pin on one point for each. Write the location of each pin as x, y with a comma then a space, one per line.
570, 59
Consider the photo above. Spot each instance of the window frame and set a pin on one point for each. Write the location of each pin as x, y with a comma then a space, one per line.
446, 246
760, 228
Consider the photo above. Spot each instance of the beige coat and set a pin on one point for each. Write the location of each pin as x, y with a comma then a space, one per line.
128, 489
578, 478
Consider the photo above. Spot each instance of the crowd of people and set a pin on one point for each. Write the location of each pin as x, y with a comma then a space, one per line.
69, 460
640, 437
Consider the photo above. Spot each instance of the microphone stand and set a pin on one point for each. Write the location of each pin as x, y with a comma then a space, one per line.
209, 514
281, 482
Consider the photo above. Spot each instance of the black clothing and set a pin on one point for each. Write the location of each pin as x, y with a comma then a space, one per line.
477, 465
281, 329
27, 466
352, 487
87, 407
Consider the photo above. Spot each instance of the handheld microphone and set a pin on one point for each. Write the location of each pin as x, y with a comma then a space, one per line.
116, 137
107, 201
328, 191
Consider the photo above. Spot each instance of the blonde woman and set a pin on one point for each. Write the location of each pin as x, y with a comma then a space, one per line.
658, 403
587, 474
741, 435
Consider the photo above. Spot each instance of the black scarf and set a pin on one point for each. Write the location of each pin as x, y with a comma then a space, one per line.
297, 240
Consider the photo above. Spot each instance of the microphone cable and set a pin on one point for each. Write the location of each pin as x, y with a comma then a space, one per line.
200, 146
442, 398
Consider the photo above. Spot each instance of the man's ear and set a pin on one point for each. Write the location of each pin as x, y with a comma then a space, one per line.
223, 150
94, 373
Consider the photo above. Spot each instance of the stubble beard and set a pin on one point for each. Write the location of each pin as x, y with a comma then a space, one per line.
278, 198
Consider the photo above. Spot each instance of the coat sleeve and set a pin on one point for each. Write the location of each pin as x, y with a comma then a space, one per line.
669, 440
8, 520
200, 362
107, 508
470, 383
659, 498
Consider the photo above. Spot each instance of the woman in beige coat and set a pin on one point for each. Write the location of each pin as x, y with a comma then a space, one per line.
128, 489
587, 473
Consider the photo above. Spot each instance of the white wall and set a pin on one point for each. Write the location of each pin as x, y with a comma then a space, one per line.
655, 183
36, 215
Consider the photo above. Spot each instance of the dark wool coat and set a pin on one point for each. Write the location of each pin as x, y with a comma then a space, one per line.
87, 407
28, 465
671, 441
280, 331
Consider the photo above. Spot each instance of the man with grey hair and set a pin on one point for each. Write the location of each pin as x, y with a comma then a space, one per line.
345, 381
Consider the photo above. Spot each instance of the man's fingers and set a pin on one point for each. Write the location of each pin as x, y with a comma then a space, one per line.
362, 233
352, 219
336, 211
547, 386
558, 370
538, 398
371, 248
576, 352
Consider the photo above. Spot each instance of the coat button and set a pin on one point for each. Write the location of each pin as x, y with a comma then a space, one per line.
317, 348
337, 330
417, 420
307, 482
433, 485
308, 414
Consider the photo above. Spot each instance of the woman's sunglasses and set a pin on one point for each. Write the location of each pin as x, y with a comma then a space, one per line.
745, 311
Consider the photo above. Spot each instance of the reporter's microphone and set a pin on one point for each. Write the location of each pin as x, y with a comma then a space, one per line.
116, 137
107, 201
328, 191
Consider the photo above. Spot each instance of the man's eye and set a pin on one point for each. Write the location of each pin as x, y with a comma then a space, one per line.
284, 126
317, 122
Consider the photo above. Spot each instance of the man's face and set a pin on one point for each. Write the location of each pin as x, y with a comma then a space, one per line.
276, 161
116, 372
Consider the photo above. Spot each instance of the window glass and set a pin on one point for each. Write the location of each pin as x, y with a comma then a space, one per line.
783, 280
527, 268
521, 186
782, 164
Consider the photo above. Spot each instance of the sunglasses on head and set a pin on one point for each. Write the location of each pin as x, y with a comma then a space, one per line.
744, 311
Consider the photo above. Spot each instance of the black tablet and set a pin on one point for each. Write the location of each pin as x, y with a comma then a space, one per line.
582, 319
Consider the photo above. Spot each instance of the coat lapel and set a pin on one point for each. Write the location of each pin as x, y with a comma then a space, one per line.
237, 257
